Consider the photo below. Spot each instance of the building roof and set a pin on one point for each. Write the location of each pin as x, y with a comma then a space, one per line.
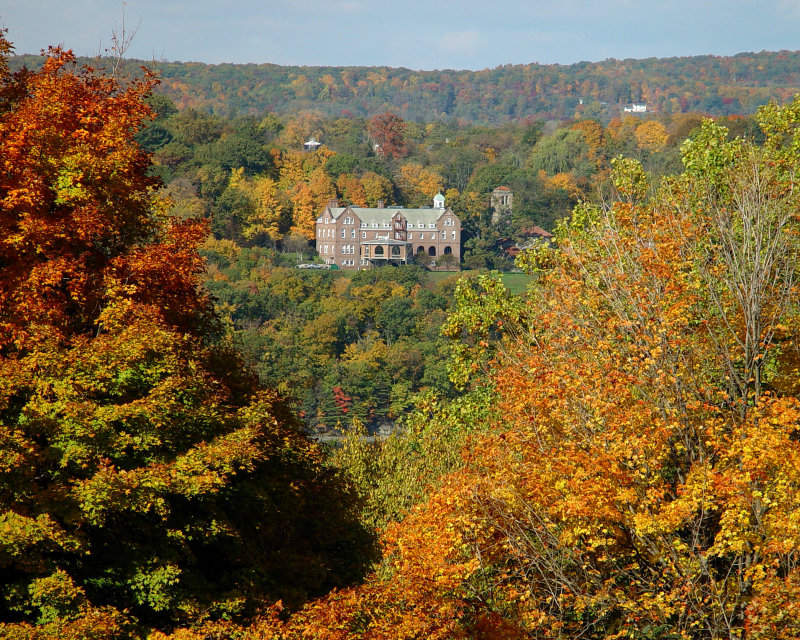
371, 215
535, 232
502, 189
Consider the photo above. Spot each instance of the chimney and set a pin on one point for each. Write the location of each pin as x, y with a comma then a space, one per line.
333, 203
380, 204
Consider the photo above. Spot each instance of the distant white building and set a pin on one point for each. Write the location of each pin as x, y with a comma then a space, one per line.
311, 145
636, 108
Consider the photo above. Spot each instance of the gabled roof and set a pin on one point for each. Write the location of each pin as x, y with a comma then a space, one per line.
535, 232
371, 215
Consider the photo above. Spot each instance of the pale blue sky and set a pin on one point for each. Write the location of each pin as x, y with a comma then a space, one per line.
419, 34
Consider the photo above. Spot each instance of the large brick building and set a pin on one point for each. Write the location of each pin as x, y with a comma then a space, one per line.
365, 237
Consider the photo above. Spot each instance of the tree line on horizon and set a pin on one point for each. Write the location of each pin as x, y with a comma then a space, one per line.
716, 85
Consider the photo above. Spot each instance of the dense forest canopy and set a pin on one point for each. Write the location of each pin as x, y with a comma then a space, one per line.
612, 451
718, 85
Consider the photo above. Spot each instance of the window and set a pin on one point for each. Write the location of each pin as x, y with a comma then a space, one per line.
344, 233
444, 235
452, 235
449, 222
348, 220
363, 235
410, 236
366, 250
374, 224
410, 225
319, 220
352, 233
431, 225
319, 233
448, 251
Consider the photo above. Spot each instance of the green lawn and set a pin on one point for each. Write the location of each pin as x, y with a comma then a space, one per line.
516, 282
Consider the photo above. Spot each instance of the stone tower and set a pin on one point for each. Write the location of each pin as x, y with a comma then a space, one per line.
502, 202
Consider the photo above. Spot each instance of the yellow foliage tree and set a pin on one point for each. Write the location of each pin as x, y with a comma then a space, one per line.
418, 184
376, 188
269, 208
304, 211
321, 187
352, 190
651, 136
593, 134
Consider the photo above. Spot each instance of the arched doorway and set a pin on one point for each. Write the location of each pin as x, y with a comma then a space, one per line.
448, 251
432, 251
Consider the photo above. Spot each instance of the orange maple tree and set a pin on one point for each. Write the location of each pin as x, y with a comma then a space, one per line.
145, 478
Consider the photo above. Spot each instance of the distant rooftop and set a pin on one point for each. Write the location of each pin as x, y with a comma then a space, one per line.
375, 214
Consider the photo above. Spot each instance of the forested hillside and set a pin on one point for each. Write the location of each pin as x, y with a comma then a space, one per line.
712, 84
360, 346
611, 452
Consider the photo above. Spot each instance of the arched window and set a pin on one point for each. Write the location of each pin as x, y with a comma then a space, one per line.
420, 249
379, 250
431, 251
395, 250
448, 251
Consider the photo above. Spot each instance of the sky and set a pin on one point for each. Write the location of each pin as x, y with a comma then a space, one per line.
417, 34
